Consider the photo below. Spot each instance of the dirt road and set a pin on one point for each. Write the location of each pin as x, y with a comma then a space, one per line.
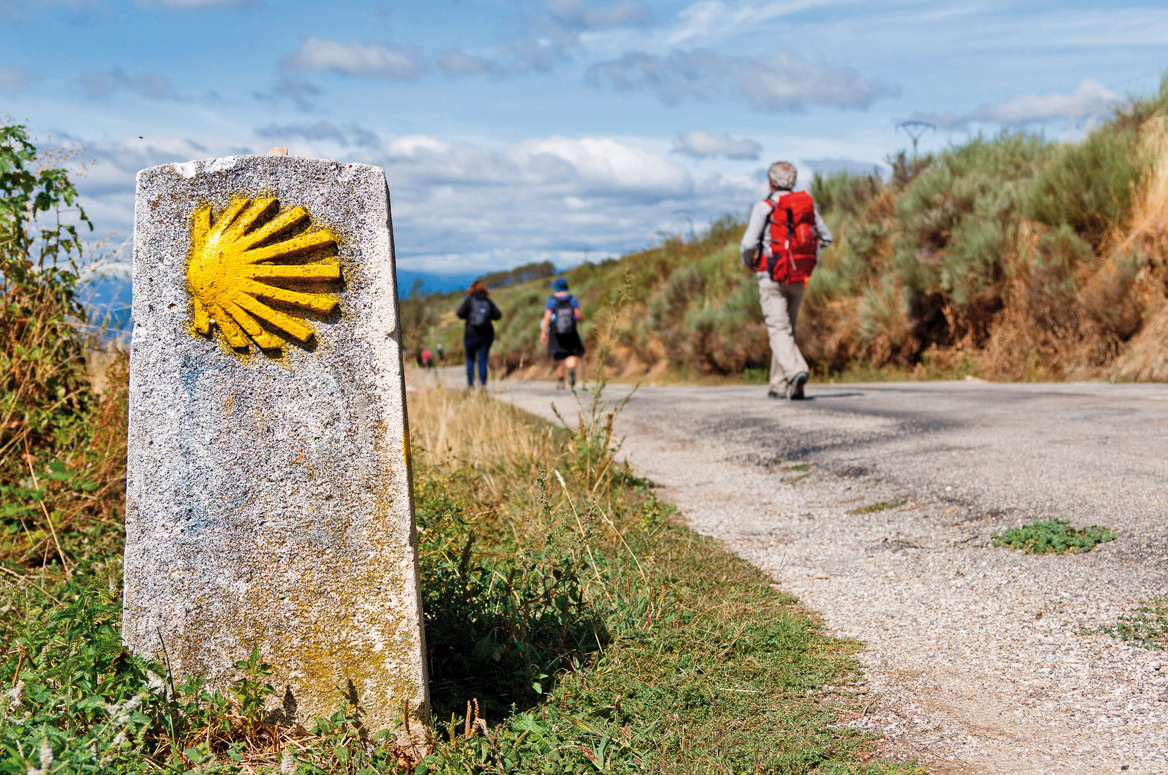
875, 504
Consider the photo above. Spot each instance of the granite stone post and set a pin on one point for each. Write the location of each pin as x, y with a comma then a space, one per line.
269, 499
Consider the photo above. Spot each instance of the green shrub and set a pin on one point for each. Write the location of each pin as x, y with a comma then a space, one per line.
845, 193
956, 214
49, 414
1061, 253
1089, 185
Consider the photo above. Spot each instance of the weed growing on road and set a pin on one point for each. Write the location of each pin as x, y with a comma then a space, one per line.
875, 507
1146, 626
798, 471
1054, 536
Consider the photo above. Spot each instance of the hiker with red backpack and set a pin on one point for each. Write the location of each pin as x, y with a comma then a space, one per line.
781, 246
478, 311
558, 330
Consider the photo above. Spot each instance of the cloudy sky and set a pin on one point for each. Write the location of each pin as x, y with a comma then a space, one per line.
527, 130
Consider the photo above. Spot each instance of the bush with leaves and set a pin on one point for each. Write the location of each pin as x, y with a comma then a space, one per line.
49, 413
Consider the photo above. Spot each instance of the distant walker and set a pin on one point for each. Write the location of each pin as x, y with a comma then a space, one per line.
560, 332
478, 334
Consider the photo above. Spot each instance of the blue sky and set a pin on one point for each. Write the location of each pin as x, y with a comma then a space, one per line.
530, 130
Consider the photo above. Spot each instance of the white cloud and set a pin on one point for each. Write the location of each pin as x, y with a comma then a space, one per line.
784, 83
368, 61
1090, 98
466, 207
14, 78
462, 206
300, 93
343, 136
557, 29
104, 83
186, 5
701, 144
555, 165
712, 21
422, 161
603, 166
578, 15
461, 63
17, 10
787, 82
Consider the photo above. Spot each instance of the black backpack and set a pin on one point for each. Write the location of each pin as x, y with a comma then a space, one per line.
480, 312
563, 317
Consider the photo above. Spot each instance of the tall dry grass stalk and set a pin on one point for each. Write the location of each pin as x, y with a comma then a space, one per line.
1149, 219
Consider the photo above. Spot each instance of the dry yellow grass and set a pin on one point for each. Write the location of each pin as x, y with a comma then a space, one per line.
449, 427
1146, 358
1149, 219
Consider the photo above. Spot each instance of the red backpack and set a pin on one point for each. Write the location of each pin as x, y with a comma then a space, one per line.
793, 238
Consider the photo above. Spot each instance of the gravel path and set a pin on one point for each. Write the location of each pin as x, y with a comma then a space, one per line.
978, 659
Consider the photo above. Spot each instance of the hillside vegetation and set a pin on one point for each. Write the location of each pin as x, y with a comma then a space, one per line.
1011, 257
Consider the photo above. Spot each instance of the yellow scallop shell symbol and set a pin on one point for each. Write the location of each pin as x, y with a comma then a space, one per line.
235, 260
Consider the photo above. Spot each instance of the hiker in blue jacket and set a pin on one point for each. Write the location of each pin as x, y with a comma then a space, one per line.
559, 331
478, 311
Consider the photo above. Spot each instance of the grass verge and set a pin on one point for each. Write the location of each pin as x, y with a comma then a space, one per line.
590, 631
573, 625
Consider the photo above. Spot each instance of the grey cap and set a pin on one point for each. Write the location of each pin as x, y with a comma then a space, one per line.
782, 175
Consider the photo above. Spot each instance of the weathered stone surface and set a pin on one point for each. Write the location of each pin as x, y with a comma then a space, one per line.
269, 496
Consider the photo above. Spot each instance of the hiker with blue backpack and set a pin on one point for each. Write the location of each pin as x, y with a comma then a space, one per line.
559, 331
478, 311
781, 246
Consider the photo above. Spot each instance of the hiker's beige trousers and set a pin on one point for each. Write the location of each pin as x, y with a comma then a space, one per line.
780, 309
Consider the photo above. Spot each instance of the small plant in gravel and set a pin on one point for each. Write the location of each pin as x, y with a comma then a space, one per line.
1054, 536
798, 472
1146, 626
875, 507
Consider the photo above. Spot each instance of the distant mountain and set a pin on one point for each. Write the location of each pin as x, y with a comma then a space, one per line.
433, 282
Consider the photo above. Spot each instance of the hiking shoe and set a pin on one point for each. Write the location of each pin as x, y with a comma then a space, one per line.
795, 386
774, 394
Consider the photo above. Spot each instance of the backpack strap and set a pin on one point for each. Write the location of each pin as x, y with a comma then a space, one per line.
765, 239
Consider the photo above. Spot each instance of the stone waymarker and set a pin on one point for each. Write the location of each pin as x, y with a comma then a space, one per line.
269, 498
